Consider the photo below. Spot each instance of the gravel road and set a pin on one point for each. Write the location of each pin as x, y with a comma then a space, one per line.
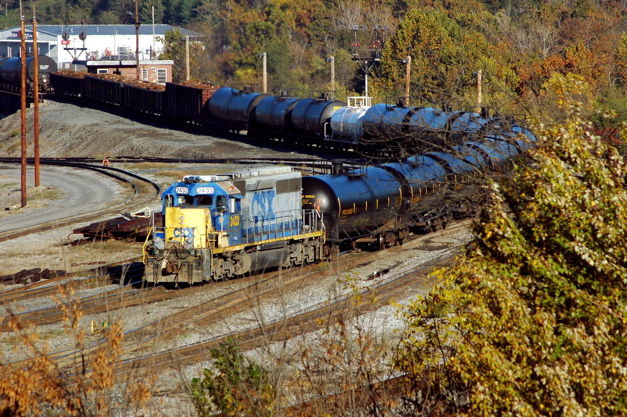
63, 192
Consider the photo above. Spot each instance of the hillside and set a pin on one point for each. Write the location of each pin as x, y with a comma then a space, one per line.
68, 130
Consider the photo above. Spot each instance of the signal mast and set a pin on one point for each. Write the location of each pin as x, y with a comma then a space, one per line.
367, 56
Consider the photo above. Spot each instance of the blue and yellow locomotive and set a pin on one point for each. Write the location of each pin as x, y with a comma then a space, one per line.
222, 226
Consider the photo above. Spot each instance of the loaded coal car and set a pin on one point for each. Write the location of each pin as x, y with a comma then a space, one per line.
68, 83
222, 226
144, 97
234, 109
188, 102
11, 72
104, 89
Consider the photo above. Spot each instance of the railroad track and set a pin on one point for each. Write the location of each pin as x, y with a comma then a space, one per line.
315, 165
124, 296
316, 318
244, 299
88, 278
256, 292
137, 200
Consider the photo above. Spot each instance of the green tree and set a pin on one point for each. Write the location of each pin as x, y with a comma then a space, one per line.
236, 387
174, 49
537, 314
446, 52
145, 11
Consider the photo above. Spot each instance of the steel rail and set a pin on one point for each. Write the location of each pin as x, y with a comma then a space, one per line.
112, 172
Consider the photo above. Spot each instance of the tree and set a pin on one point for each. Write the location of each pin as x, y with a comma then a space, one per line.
446, 51
174, 49
145, 11
538, 318
236, 387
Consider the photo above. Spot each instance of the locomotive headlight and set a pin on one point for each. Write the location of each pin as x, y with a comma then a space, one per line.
189, 240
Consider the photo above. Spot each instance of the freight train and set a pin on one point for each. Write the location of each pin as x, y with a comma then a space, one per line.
11, 73
322, 121
223, 226
11, 80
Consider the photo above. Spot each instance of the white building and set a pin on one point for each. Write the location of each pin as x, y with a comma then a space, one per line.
72, 43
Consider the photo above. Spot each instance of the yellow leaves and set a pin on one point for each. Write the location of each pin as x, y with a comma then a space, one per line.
537, 295
39, 383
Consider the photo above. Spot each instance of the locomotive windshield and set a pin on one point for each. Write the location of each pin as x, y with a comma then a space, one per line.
188, 201
184, 200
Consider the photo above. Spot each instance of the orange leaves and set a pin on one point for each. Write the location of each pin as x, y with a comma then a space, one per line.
83, 384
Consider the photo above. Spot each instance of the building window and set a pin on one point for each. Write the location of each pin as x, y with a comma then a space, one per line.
145, 74
103, 71
162, 75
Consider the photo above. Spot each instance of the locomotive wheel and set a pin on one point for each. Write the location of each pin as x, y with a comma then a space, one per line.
391, 239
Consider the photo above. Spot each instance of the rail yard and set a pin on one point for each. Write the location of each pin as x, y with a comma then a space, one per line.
167, 331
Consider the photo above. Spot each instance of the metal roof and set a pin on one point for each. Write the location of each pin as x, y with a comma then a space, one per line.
109, 30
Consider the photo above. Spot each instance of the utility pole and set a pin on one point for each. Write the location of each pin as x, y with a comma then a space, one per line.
407, 78
23, 104
186, 57
36, 98
137, 37
331, 59
479, 91
264, 83
153, 33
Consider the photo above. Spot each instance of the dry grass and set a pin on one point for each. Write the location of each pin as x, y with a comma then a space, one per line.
10, 185
143, 166
88, 386
10, 196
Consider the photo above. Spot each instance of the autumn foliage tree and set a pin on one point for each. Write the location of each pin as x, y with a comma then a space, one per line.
81, 382
175, 49
534, 318
235, 386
